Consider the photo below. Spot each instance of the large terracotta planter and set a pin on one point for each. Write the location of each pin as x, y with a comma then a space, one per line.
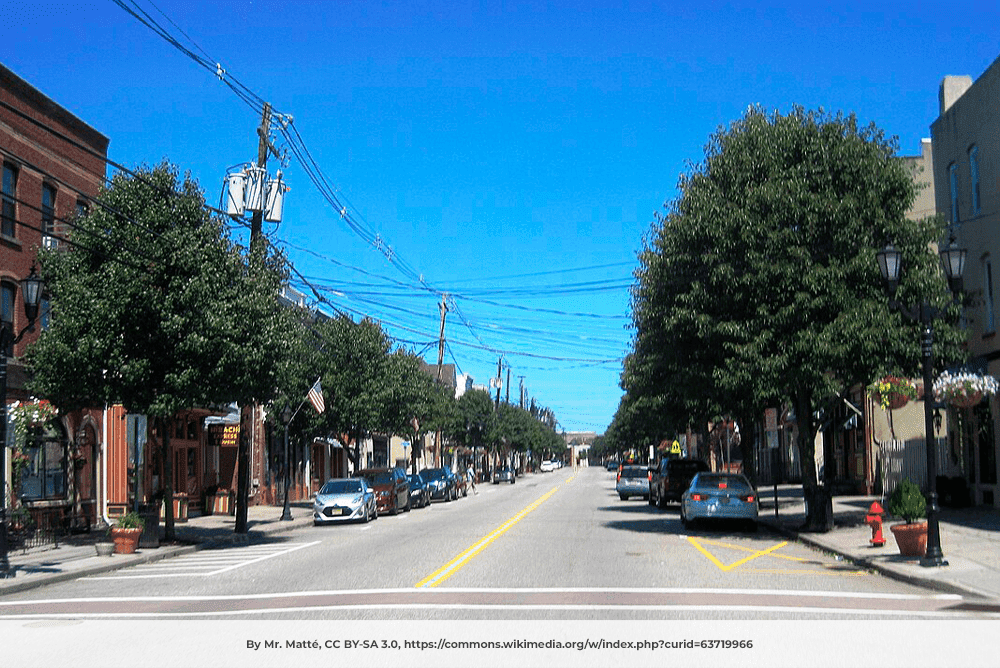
911, 538
126, 540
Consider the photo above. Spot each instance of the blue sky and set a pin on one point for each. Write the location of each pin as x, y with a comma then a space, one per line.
509, 154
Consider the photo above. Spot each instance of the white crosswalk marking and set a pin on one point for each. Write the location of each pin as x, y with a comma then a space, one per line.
206, 562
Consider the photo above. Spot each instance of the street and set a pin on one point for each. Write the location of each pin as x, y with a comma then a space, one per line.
554, 546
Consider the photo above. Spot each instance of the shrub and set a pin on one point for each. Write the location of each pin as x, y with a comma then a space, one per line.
130, 520
907, 501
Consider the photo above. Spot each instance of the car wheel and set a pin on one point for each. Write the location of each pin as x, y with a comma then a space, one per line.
624, 497
512, 481
687, 524
661, 501
650, 501
366, 517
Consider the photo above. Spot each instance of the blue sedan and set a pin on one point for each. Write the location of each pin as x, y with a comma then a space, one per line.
720, 496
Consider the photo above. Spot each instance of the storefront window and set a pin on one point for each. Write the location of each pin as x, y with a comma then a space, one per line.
45, 476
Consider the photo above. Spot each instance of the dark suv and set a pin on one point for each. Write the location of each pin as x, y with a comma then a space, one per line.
392, 488
671, 478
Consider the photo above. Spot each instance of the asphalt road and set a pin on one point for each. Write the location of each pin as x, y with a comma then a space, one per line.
555, 546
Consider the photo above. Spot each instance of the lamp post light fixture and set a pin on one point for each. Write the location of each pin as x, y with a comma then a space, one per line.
890, 261
287, 415
31, 294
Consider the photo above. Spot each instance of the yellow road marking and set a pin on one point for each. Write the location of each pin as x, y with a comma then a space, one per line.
449, 569
756, 554
748, 549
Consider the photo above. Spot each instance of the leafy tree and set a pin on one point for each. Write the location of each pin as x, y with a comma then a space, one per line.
156, 308
759, 283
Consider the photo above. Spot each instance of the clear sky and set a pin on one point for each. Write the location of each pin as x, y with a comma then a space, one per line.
510, 154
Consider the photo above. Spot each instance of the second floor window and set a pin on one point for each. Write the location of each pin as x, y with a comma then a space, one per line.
953, 185
974, 176
48, 209
7, 293
989, 320
8, 210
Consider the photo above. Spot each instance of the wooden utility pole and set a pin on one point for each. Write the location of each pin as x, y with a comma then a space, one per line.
437, 436
256, 256
499, 371
508, 386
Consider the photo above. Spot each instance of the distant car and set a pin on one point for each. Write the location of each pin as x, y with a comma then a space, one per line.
392, 489
420, 495
441, 485
633, 481
612, 466
547, 467
720, 496
503, 474
670, 478
343, 500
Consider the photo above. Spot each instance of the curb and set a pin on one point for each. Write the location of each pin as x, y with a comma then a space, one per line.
933, 584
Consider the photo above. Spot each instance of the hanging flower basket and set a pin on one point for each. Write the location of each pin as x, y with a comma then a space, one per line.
892, 392
964, 390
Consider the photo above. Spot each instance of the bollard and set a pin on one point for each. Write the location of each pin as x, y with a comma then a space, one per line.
874, 520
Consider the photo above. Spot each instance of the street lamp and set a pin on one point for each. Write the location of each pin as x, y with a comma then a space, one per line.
890, 262
286, 416
31, 292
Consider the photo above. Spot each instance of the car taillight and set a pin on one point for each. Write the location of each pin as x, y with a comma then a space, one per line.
699, 497
649, 476
723, 485
619, 476
748, 498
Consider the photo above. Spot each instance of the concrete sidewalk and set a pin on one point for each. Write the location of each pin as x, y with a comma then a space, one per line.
75, 556
970, 542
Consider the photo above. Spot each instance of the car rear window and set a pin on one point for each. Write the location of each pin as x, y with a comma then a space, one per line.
731, 482
684, 467
380, 478
634, 472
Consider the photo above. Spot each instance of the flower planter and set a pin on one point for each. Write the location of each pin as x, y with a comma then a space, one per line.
911, 538
126, 540
966, 400
104, 549
894, 400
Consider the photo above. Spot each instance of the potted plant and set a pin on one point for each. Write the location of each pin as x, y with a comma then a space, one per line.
908, 502
126, 532
105, 547
964, 389
892, 392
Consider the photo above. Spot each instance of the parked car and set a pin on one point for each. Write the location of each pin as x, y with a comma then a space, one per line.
612, 465
720, 496
503, 474
547, 467
392, 488
670, 478
441, 485
343, 500
420, 495
633, 480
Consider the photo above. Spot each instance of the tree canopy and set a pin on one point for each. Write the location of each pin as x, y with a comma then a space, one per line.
758, 285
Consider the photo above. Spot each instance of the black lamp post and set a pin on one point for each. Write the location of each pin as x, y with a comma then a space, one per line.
31, 292
890, 263
286, 513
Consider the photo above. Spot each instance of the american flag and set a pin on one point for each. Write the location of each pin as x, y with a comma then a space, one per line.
316, 397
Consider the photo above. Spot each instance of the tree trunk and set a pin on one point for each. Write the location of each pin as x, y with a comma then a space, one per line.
168, 481
819, 503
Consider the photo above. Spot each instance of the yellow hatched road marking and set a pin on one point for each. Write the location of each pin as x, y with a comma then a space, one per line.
449, 569
722, 567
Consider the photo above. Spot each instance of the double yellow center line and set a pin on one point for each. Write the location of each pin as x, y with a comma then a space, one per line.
449, 569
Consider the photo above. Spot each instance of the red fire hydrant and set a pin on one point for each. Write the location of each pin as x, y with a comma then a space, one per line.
874, 520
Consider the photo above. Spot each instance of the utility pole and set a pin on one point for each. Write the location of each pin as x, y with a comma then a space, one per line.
508, 386
499, 371
443, 306
256, 256
520, 399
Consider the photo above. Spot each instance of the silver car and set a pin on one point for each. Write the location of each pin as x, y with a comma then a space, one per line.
344, 500
633, 481
720, 496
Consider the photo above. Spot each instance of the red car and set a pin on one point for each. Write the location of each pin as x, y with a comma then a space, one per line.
392, 488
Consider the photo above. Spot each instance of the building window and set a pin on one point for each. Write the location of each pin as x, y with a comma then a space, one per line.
8, 213
7, 293
953, 184
974, 175
48, 209
45, 477
989, 323
82, 209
